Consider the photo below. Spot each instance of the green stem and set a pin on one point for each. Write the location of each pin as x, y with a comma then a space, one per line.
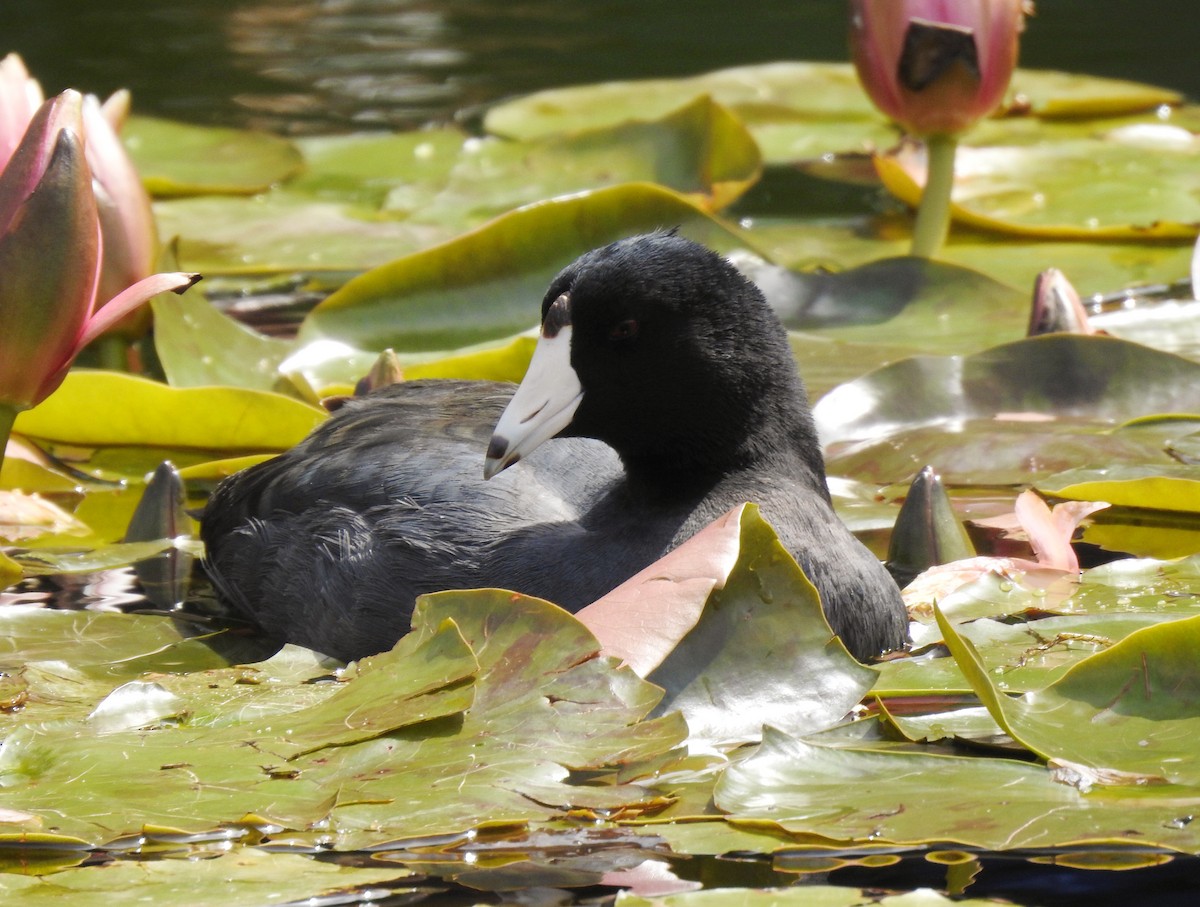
8, 415
112, 352
933, 217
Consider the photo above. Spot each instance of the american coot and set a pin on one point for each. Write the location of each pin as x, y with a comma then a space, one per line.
656, 347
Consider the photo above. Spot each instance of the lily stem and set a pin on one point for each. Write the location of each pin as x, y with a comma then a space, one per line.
933, 216
8, 415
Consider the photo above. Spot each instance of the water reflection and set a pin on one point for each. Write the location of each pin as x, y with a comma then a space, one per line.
336, 65
380, 63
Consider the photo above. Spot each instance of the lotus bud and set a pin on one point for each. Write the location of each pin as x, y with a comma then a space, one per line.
20, 97
1057, 307
49, 253
130, 246
936, 66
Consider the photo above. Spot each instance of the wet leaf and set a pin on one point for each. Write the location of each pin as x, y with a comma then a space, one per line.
1051, 377
642, 620
10, 571
198, 346
1053, 94
1132, 707
845, 794
761, 651
246, 876
805, 895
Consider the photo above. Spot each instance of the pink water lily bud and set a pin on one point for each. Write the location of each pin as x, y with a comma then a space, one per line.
130, 246
20, 97
50, 257
936, 66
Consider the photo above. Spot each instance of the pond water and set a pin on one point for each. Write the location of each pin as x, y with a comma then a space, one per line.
304, 66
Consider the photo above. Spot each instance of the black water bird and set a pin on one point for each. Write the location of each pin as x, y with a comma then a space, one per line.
661, 393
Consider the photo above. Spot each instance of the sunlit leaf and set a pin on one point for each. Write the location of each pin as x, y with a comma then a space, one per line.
1083, 190
199, 346
489, 283
179, 159
1164, 487
94, 408
844, 794
1039, 379
1131, 708
761, 651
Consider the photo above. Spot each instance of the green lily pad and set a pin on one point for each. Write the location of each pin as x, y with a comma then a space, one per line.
1131, 709
176, 159
779, 92
1086, 189
488, 283
1053, 94
916, 798
803, 896
198, 346
35, 477
1053, 376
761, 651
285, 232
246, 876
842, 240
1155, 487
473, 732
367, 199
106, 408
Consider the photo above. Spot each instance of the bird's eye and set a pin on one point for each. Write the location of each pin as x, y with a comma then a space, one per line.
624, 330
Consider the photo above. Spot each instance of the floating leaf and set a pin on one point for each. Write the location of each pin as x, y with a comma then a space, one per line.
1088, 190
103, 408
489, 283
1052, 94
916, 798
1132, 708
1052, 377
178, 159
1156, 487
247, 876
198, 346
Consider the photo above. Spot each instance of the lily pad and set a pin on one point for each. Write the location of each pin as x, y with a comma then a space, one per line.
731, 628
1155, 487
199, 346
247, 876
1087, 189
107, 408
177, 159
1052, 376
488, 283
1129, 712
472, 733
782, 92
917, 798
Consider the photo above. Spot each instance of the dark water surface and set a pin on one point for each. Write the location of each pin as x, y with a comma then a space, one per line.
303, 66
